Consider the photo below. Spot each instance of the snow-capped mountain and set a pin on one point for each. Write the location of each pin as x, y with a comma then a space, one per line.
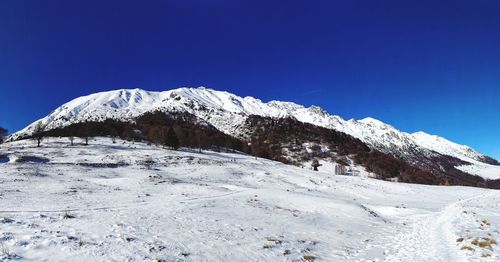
227, 112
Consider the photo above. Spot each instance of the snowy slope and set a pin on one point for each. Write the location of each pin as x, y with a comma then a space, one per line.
446, 147
481, 169
227, 112
134, 202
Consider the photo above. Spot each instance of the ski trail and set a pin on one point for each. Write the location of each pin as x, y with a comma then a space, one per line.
430, 237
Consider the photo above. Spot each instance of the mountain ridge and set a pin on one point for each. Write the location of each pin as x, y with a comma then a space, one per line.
227, 112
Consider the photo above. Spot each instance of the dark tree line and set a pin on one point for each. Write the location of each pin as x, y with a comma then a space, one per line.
170, 130
189, 130
270, 138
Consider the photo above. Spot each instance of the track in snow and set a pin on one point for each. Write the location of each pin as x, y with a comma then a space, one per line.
430, 237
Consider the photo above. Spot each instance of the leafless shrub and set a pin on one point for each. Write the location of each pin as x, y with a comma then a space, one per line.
68, 215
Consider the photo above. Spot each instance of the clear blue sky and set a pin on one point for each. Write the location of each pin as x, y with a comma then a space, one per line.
417, 64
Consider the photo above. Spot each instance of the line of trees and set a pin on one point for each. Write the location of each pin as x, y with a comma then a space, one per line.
81, 130
279, 139
169, 130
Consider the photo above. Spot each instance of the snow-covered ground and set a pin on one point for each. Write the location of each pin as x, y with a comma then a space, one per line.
134, 202
481, 169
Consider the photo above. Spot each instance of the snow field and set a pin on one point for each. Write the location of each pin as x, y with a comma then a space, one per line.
135, 202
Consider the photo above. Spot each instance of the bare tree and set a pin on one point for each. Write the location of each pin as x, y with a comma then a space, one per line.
84, 132
38, 133
113, 135
3, 134
171, 140
198, 136
71, 139
315, 164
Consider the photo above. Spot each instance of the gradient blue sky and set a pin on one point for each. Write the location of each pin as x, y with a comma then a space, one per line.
416, 64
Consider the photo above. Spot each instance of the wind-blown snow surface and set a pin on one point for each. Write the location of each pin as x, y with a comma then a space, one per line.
227, 112
134, 202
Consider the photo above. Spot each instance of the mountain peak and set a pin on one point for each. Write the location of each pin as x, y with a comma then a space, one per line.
370, 120
227, 111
